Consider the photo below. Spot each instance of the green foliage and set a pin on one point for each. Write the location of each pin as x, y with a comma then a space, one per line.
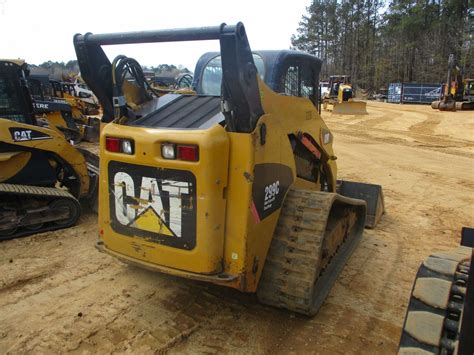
63, 71
167, 70
383, 41
56, 70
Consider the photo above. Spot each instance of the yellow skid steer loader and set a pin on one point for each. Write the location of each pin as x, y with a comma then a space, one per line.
234, 185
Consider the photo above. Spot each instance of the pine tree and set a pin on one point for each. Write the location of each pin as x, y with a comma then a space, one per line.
383, 41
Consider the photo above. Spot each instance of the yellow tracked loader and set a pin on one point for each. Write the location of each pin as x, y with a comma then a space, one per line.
42, 176
235, 184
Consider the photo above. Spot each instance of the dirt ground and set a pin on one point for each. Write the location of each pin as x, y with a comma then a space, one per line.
58, 294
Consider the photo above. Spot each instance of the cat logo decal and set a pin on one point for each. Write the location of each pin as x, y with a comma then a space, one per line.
157, 204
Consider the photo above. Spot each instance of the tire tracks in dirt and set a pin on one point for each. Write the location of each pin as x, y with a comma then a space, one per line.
414, 125
422, 141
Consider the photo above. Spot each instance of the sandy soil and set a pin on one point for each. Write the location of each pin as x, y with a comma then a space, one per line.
58, 294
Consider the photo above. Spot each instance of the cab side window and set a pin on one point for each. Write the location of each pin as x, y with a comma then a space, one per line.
299, 80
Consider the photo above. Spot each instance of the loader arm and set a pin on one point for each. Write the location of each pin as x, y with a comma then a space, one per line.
240, 96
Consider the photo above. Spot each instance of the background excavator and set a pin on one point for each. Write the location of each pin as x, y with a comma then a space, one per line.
235, 184
340, 97
457, 92
42, 176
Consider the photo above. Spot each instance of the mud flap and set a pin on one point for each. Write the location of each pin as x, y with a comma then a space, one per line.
350, 108
370, 193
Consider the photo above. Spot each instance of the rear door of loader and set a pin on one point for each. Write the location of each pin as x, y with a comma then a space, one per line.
169, 212
165, 212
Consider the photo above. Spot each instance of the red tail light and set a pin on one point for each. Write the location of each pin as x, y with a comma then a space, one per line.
112, 144
119, 145
188, 152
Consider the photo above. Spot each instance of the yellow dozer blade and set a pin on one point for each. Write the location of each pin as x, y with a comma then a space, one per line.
350, 108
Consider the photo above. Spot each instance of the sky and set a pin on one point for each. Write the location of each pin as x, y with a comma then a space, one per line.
42, 30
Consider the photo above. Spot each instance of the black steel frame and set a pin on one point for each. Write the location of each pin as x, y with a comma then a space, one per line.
240, 94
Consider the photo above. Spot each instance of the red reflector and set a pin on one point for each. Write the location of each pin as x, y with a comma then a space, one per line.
112, 144
188, 152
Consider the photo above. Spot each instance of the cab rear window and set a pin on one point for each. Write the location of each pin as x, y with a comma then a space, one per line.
212, 75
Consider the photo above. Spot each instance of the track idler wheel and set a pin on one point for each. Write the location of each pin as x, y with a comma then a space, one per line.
73, 208
447, 106
6, 233
34, 227
435, 105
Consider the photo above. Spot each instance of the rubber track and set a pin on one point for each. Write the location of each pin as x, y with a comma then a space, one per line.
433, 318
291, 278
39, 192
33, 190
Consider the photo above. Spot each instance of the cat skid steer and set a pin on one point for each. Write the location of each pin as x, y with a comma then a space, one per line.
234, 185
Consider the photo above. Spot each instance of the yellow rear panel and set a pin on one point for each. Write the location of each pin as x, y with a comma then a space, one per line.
165, 212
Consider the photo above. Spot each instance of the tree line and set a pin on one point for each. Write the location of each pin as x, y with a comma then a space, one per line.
65, 70
382, 41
